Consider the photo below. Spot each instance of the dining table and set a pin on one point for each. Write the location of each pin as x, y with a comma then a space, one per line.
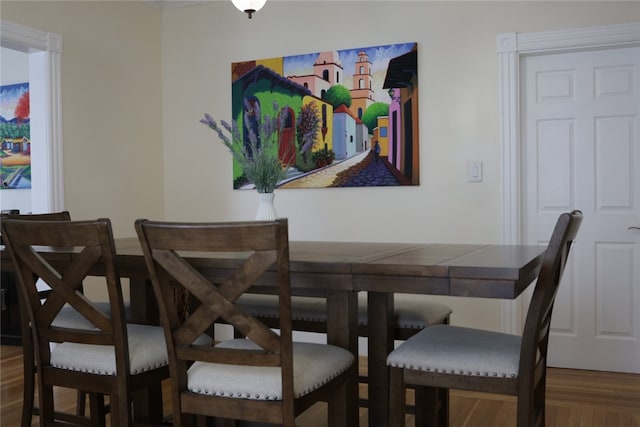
338, 271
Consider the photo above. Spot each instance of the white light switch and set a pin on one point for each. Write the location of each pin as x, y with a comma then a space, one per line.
474, 170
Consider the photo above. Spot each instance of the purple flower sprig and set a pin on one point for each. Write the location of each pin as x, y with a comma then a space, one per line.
258, 157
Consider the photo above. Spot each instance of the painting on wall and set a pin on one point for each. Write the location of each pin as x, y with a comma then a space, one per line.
15, 151
349, 117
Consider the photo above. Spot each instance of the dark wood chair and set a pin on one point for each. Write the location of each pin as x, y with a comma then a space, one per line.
105, 356
29, 409
263, 378
446, 357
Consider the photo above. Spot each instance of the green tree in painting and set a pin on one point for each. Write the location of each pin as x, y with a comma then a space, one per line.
370, 116
338, 95
6, 130
15, 131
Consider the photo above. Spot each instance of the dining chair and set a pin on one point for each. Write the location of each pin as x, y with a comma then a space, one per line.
66, 316
98, 352
454, 357
265, 377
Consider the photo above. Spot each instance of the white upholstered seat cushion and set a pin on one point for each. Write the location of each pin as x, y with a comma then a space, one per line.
147, 350
313, 366
459, 351
68, 317
411, 311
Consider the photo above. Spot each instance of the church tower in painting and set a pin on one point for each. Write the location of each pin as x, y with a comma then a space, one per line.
361, 92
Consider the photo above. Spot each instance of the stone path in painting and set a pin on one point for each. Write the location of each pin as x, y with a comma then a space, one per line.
357, 171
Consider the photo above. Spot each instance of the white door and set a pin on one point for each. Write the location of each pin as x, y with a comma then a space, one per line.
581, 150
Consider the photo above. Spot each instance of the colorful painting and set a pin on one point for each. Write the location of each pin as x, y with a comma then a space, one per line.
15, 152
349, 117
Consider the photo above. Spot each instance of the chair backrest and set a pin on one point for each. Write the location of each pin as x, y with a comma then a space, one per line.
176, 256
63, 254
44, 290
535, 336
49, 216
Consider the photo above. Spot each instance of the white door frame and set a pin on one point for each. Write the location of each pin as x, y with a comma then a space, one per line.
45, 58
511, 47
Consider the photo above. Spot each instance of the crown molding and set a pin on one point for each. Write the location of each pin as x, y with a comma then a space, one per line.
579, 38
174, 4
25, 39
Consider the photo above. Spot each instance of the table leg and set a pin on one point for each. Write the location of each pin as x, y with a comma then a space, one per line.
342, 326
147, 403
381, 327
147, 406
144, 309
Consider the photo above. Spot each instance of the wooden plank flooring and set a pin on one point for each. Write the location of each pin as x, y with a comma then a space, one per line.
575, 398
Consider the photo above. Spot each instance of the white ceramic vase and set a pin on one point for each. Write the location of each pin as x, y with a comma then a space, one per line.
266, 210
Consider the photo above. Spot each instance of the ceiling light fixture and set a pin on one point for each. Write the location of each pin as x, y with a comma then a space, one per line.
249, 6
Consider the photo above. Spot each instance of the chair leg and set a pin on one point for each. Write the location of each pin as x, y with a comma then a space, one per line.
540, 400
46, 405
430, 407
424, 405
338, 407
155, 399
147, 405
531, 405
81, 400
397, 398
97, 408
28, 396
118, 414
443, 407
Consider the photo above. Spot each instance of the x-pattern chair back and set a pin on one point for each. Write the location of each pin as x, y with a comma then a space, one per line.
253, 249
211, 265
29, 369
92, 353
40, 249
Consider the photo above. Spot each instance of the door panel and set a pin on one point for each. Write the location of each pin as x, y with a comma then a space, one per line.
581, 150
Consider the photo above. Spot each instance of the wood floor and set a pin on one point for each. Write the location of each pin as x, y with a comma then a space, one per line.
574, 398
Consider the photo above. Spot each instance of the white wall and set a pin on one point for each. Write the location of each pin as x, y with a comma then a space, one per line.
458, 74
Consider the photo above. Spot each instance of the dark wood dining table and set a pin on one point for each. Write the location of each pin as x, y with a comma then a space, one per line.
339, 270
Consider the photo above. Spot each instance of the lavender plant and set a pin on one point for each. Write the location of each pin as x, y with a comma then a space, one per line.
259, 157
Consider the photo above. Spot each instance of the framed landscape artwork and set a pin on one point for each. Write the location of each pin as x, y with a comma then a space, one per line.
349, 118
15, 151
